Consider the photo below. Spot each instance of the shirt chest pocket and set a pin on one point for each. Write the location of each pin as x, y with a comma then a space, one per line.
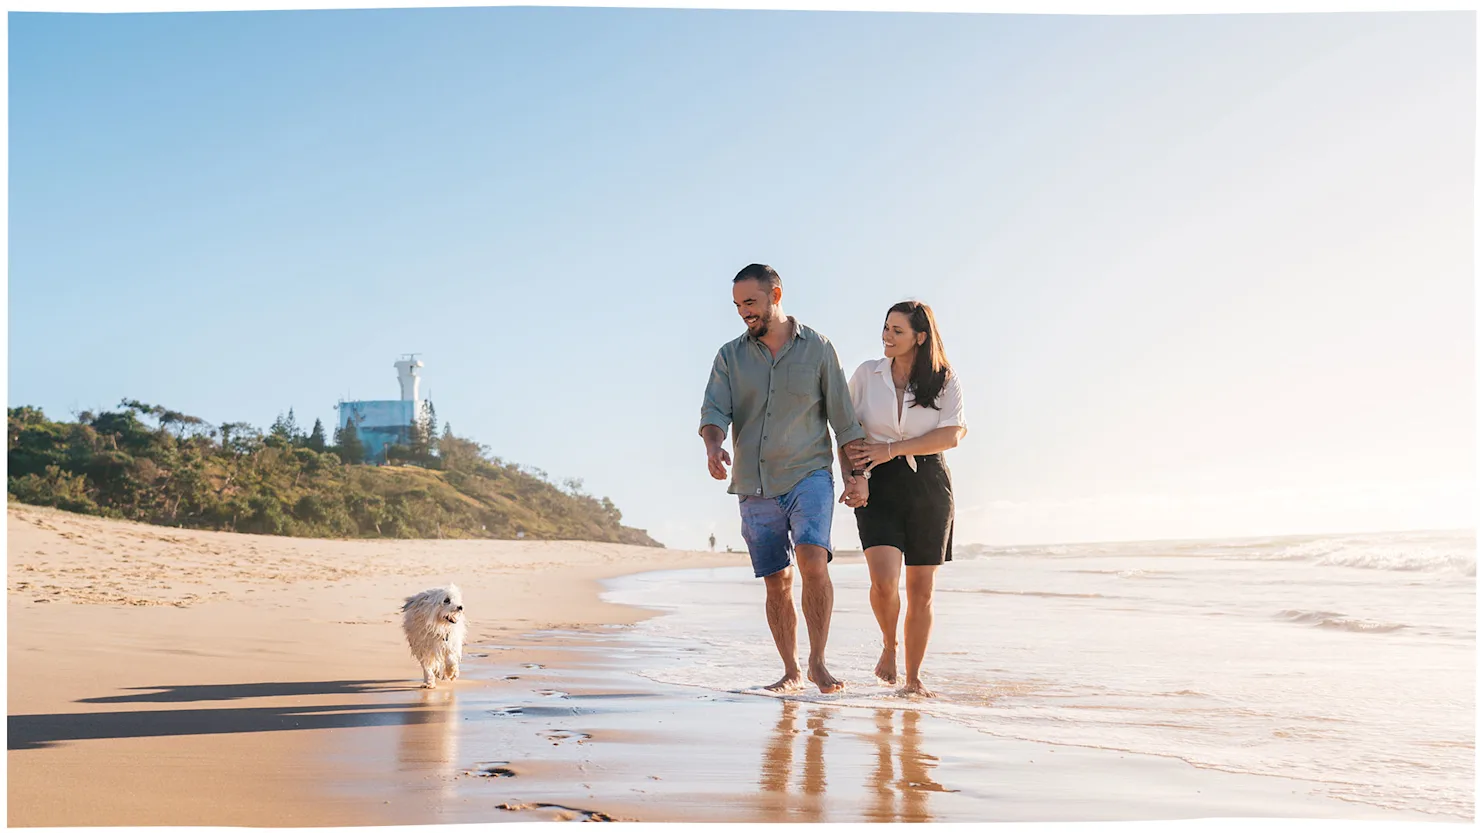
801, 381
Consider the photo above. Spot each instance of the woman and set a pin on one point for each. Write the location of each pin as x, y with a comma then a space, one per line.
909, 403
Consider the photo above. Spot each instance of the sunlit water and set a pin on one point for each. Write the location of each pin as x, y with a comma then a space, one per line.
1344, 661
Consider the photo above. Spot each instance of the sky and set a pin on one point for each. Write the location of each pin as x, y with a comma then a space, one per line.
1204, 276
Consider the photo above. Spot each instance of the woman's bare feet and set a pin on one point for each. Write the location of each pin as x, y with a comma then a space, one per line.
886, 670
826, 683
791, 682
915, 688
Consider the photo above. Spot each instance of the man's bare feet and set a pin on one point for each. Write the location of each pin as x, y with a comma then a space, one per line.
885, 670
826, 683
915, 688
791, 682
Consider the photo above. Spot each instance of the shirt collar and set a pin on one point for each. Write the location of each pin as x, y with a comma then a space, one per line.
798, 330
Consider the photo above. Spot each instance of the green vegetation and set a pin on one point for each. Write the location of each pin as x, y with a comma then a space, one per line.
148, 463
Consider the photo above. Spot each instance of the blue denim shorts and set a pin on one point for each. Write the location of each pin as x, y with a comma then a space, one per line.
774, 526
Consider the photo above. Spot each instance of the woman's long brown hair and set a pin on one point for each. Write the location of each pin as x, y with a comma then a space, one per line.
931, 368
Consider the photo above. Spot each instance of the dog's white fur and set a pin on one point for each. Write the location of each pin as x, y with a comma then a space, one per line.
435, 629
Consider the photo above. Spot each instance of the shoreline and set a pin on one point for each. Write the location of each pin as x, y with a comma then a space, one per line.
251, 680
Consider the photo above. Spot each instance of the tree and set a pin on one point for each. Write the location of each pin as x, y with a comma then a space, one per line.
417, 442
295, 433
351, 450
316, 439
433, 441
286, 428
238, 437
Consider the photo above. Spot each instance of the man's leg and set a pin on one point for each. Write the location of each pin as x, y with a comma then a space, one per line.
809, 508
782, 618
763, 525
817, 605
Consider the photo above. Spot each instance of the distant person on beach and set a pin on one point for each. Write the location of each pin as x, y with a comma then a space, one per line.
781, 386
911, 408
711, 542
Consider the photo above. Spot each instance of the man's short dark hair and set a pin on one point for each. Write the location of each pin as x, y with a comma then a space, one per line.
761, 273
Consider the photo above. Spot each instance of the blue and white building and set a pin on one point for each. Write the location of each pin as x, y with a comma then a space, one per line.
383, 422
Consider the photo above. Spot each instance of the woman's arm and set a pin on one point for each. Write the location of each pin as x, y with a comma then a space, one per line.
941, 439
872, 454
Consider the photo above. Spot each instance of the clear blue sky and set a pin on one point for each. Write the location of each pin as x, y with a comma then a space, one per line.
1201, 276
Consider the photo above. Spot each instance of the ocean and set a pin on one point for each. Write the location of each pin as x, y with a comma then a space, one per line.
1343, 661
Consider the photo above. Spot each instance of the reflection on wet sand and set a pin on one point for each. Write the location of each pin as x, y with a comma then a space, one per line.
898, 784
429, 741
900, 793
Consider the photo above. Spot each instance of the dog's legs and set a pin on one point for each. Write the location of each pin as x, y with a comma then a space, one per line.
428, 678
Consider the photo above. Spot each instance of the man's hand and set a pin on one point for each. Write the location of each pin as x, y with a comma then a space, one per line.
714, 447
718, 459
856, 492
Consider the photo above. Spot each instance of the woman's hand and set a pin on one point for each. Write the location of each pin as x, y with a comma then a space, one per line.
866, 455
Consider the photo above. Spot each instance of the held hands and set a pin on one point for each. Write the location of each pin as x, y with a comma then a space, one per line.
856, 492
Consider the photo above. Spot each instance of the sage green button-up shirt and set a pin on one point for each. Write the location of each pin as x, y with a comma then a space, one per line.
780, 409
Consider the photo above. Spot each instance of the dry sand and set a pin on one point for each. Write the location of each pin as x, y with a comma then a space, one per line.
169, 677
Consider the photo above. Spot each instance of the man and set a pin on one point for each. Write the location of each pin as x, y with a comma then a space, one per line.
780, 385
711, 542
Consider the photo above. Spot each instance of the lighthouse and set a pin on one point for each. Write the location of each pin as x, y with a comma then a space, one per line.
408, 371
383, 422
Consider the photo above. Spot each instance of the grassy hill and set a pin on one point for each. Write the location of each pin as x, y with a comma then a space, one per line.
180, 471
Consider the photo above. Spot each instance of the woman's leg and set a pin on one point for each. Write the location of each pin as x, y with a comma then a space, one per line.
883, 595
918, 617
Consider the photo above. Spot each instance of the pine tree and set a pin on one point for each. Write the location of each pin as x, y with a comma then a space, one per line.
279, 428
316, 439
433, 441
351, 450
295, 433
417, 440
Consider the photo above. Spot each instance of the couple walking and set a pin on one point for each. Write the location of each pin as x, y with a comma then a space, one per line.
780, 386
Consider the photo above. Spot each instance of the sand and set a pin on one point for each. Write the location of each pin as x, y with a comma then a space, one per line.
160, 676
168, 677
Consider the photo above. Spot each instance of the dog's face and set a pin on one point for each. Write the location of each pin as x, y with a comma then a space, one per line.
441, 604
452, 606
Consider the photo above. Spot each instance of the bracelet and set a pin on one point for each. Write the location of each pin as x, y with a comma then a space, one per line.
889, 450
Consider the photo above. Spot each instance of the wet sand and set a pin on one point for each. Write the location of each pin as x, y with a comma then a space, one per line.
163, 677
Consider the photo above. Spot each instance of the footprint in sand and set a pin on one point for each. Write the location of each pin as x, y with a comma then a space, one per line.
533, 665
508, 711
550, 692
559, 736
494, 769
512, 677
560, 811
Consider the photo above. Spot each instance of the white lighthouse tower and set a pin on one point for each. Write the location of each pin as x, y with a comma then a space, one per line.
408, 370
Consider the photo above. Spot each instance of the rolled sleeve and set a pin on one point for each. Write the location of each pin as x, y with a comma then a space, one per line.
718, 406
839, 400
952, 404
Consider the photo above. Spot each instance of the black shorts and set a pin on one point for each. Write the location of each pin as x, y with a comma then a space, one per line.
911, 510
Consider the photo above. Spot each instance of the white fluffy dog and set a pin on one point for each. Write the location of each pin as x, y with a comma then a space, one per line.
435, 629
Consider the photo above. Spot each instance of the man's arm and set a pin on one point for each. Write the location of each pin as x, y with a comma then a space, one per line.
837, 399
715, 417
714, 448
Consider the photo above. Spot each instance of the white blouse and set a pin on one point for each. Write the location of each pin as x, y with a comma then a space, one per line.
873, 392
